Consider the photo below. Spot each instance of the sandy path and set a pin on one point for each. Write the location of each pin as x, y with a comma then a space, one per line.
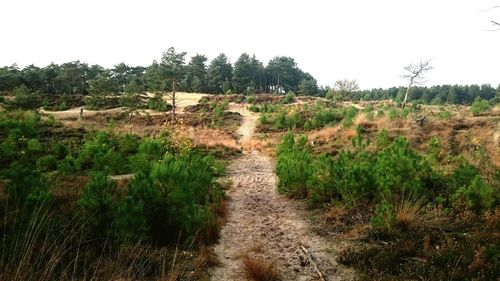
267, 224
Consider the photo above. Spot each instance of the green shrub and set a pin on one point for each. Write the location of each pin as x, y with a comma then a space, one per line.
384, 217
26, 186
250, 99
254, 108
382, 139
349, 114
477, 196
173, 196
149, 151
479, 106
264, 119
97, 204
100, 154
293, 165
157, 103
445, 115
46, 163
434, 149
129, 144
289, 98
400, 169
405, 112
393, 113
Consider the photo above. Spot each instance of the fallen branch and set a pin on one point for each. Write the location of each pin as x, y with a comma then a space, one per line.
315, 265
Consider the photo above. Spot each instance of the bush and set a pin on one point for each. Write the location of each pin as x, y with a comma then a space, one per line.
250, 99
254, 108
289, 98
393, 113
149, 151
398, 169
382, 139
445, 115
100, 154
175, 195
157, 103
293, 165
479, 106
97, 205
477, 196
384, 217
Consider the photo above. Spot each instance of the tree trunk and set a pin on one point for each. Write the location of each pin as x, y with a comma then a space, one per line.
173, 100
406, 95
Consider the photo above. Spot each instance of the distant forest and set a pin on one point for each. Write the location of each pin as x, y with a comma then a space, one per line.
247, 75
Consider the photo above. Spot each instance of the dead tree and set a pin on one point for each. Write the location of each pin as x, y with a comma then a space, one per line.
415, 76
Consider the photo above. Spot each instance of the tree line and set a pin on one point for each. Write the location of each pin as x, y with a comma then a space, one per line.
247, 75
451, 94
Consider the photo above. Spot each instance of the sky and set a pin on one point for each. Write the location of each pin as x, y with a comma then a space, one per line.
370, 41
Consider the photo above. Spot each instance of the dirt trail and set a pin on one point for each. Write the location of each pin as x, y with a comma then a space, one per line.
263, 223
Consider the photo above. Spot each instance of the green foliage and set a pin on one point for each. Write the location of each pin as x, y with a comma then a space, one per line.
349, 114
250, 99
26, 186
477, 195
384, 216
479, 106
445, 115
382, 139
394, 113
254, 108
289, 98
97, 205
149, 151
400, 169
434, 149
157, 103
176, 195
293, 165
101, 154
24, 98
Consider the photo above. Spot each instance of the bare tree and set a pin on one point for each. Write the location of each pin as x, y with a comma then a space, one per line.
415, 75
346, 87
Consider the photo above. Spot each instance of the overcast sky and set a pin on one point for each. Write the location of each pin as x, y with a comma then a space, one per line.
367, 40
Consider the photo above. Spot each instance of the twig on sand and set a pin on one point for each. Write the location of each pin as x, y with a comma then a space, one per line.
311, 259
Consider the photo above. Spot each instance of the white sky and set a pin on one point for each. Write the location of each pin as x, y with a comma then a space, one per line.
367, 40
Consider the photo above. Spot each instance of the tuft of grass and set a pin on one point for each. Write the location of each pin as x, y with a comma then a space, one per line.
411, 212
259, 269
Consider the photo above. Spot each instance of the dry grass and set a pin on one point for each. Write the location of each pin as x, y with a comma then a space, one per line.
359, 231
259, 269
361, 119
324, 135
412, 212
212, 138
335, 214
349, 133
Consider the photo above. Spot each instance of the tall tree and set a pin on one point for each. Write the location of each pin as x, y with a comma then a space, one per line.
120, 73
242, 74
174, 70
197, 74
308, 86
284, 74
99, 89
220, 73
154, 79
